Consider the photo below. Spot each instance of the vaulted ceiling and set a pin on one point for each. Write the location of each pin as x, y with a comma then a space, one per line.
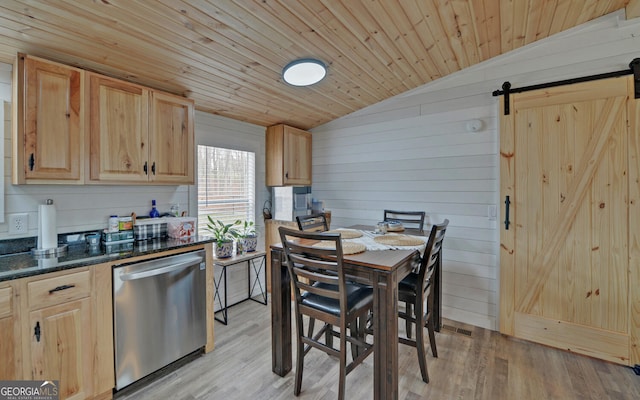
228, 54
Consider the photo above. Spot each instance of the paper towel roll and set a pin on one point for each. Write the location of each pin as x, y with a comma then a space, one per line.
47, 233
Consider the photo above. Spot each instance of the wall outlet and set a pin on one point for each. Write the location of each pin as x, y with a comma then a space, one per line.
18, 223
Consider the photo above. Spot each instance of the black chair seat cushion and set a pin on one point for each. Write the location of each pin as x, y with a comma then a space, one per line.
410, 284
357, 297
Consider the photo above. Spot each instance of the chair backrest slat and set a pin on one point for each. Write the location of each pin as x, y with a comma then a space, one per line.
308, 264
313, 222
432, 253
409, 219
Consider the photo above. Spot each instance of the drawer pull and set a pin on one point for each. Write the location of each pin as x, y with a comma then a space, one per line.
36, 331
59, 288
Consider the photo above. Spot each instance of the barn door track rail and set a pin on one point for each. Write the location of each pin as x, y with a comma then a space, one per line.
634, 68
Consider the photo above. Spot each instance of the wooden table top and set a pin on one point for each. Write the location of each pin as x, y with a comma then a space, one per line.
378, 259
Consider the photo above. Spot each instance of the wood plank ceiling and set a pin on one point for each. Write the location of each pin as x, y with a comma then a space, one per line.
228, 54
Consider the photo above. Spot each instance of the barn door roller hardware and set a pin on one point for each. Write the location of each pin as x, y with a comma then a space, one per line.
634, 68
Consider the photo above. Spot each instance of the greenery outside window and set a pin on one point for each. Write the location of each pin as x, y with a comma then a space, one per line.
226, 186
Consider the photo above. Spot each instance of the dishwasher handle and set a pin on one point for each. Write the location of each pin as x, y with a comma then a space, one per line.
161, 270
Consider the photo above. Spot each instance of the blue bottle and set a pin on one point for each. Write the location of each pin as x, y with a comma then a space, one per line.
154, 212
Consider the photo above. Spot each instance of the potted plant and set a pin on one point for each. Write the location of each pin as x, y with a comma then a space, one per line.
246, 235
224, 235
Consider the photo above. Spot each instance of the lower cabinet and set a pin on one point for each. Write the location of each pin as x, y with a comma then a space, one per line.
272, 236
60, 348
9, 342
59, 326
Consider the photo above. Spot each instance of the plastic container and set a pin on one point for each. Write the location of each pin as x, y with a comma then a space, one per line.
117, 237
114, 224
150, 228
125, 223
181, 227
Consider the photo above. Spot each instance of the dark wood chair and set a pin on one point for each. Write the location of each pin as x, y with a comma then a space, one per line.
330, 299
413, 290
313, 223
409, 219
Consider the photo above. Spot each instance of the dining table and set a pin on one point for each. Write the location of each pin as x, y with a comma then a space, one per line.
382, 269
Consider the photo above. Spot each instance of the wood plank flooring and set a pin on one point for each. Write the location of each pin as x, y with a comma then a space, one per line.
485, 365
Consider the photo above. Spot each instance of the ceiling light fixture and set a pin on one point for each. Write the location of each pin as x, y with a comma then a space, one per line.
304, 72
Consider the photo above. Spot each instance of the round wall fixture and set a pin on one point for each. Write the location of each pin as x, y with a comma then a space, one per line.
304, 72
474, 125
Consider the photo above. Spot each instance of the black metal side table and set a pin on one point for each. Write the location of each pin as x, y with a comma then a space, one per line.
255, 260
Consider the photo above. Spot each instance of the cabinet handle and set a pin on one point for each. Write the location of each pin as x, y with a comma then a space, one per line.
59, 288
32, 162
145, 168
36, 331
286, 175
153, 168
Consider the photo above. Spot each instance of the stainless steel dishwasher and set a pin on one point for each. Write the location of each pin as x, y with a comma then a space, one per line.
159, 311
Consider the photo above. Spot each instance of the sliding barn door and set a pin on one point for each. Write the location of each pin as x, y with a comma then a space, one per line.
568, 267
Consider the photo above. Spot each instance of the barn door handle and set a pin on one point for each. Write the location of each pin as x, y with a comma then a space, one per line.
507, 202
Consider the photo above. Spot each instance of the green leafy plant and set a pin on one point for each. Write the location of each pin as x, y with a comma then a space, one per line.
245, 229
222, 232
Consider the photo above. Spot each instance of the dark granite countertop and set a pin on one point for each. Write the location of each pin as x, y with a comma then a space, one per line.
23, 264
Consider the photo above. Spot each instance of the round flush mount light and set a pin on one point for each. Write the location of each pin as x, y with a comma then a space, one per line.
304, 72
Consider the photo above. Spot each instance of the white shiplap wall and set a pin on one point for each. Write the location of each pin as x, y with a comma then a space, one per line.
213, 130
413, 152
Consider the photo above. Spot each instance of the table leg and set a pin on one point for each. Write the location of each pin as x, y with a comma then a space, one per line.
280, 316
385, 328
223, 307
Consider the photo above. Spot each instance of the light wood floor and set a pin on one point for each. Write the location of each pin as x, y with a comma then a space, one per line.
485, 365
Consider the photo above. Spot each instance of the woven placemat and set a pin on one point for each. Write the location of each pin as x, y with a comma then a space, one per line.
398, 240
347, 247
346, 233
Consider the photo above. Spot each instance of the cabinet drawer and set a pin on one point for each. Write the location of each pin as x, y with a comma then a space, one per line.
5, 302
59, 289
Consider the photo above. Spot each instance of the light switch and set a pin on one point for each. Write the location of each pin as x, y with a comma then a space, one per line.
492, 212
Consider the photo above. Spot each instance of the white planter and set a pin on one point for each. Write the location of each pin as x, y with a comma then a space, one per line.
249, 243
224, 250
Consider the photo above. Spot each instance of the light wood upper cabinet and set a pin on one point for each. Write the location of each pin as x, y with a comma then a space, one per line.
139, 135
75, 127
49, 112
171, 134
119, 130
288, 155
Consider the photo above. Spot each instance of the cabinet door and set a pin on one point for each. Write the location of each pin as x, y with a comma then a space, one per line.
171, 139
297, 156
9, 344
50, 132
61, 347
119, 130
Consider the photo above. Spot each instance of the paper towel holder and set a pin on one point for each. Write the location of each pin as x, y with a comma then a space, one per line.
49, 252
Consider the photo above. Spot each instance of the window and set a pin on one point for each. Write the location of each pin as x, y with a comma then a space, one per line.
226, 185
